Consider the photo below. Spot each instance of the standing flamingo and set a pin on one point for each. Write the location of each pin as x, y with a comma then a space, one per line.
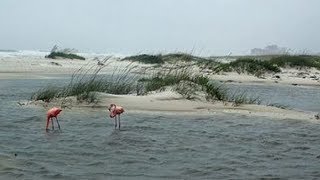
114, 112
53, 113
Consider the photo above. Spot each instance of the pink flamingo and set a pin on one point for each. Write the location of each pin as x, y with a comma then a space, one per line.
114, 112
53, 113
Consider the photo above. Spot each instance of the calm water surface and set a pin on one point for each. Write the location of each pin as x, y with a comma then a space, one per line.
157, 146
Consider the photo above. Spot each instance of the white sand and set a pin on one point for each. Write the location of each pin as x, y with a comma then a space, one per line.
171, 102
31, 67
40, 67
289, 76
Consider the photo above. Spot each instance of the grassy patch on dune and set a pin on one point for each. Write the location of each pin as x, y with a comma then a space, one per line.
255, 65
248, 65
194, 86
296, 61
85, 83
145, 58
63, 53
258, 67
55, 55
182, 57
164, 58
178, 74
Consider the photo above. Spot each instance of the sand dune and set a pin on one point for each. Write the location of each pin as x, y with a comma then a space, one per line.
168, 101
40, 67
171, 102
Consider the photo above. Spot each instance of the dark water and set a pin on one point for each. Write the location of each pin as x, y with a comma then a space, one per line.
155, 146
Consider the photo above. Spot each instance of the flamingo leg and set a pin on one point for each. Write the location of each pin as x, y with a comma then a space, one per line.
119, 121
115, 122
58, 122
47, 125
52, 124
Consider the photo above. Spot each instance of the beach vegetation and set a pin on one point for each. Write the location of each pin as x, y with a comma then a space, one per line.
165, 58
146, 58
242, 97
193, 86
63, 53
248, 65
182, 57
56, 55
272, 64
46, 94
85, 83
299, 61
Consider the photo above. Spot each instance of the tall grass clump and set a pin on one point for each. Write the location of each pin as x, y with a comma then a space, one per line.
165, 58
242, 97
46, 94
183, 81
182, 57
194, 86
296, 61
63, 53
55, 55
85, 83
259, 67
165, 78
145, 58
248, 65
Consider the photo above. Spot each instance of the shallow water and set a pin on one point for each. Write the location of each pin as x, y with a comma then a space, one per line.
154, 146
292, 97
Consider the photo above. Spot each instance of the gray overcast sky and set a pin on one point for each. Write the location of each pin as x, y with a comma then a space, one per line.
210, 27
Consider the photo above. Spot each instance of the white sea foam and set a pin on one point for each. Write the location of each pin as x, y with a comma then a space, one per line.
20, 53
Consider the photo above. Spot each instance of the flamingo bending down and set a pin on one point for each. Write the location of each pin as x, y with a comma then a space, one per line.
53, 113
114, 112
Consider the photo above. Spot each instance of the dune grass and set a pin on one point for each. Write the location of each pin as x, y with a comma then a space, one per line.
194, 86
296, 61
258, 67
63, 53
55, 55
255, 65
248, 65
165, 58
146, 58
179, 77
85, 83
242, 97
182, 57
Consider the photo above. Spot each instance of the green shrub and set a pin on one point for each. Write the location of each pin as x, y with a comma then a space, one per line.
46, 94
55, 55
83, 85
187, 89
162, 58
296, 61
145, 58
184, 57
215, 91
248, 65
